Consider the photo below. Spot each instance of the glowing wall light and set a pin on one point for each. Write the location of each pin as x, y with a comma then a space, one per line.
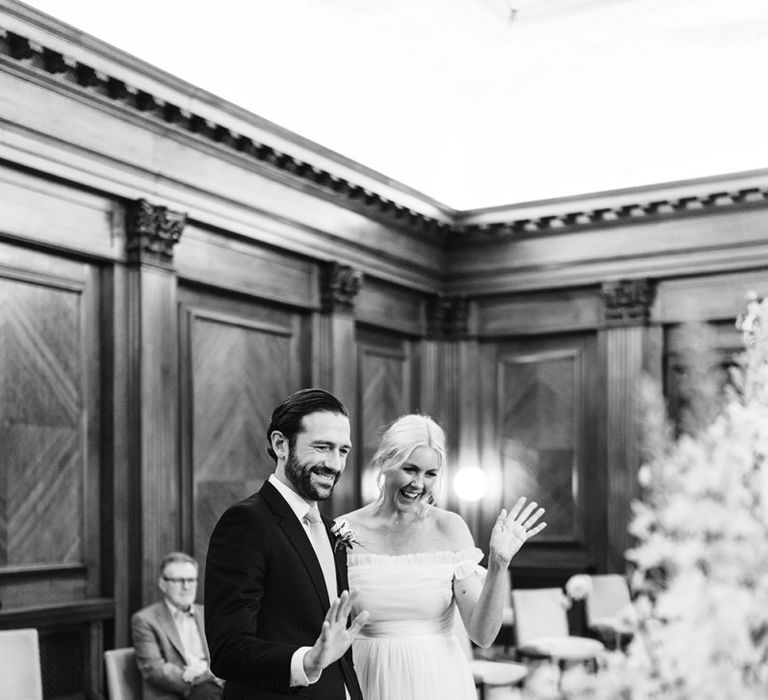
470, 483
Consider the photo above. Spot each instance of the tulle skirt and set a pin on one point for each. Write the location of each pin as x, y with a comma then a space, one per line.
429, 667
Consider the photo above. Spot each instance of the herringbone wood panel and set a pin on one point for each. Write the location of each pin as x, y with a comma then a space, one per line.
384, 395
41, 484
539, 414
239, 374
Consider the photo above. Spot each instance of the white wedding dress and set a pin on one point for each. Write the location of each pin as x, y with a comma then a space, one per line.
407, 650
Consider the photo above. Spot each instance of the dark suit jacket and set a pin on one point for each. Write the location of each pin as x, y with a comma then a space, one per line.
265, 596
159, 653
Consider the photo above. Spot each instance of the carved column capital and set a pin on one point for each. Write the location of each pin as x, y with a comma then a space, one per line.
151, 231
448, 317
340, 285
627, 302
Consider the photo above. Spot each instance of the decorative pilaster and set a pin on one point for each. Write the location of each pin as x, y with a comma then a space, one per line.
627, 302
340, 286
448, 317
627, 344
151, 232
335, 362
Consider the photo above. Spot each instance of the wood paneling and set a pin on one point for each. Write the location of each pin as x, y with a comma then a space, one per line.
49, 432
239, 360
628, 353
678, 247
386, 392
539, 413
698, 358
538, 314
709, 297
220, 261
111, 147
389, 307
56, 215
538, 427
153, 422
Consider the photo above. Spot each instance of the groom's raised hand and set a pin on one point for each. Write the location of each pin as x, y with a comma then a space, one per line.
335, 637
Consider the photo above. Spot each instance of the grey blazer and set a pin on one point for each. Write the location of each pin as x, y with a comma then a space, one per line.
159, 653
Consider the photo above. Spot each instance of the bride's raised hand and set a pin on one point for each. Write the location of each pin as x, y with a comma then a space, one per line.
513, 529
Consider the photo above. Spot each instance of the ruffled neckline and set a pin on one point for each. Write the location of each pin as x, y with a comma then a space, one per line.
471, 554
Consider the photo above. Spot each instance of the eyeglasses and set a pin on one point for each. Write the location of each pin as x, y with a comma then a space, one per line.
180, 581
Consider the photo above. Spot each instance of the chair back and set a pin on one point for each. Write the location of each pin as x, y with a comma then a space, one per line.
20, 676
608, 597
123, 676
539, 612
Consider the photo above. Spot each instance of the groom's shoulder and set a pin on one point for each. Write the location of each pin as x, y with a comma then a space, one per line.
253, 507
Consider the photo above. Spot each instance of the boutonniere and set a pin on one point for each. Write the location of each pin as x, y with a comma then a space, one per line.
343, 535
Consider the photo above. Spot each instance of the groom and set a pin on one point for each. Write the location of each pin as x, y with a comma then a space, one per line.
276, 605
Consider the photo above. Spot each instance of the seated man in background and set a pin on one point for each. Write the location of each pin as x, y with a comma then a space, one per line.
169, 638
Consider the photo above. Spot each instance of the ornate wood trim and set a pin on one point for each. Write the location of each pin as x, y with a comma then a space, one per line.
340, 285
621, 214
627, 302
57, 66
66, 69
151, 231
448, 317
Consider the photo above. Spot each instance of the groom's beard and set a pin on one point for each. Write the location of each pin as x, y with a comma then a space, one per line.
301, 477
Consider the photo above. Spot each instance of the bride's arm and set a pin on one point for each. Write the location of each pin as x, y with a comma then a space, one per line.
481, 603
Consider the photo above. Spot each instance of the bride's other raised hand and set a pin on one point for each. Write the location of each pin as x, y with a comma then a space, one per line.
512, 529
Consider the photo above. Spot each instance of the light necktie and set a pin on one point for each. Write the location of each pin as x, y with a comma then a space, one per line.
318, 536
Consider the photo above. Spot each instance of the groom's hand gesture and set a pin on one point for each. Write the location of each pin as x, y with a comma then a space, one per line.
335, 637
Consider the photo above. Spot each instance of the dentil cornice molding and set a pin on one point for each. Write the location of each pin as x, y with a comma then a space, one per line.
628, 206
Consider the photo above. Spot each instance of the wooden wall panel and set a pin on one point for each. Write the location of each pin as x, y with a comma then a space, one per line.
539, 412
707, 297
54, 214
682, 246
538, 314
49, 432
538, 427
697, 361
239, 360
387, 306
385, 378
239, 266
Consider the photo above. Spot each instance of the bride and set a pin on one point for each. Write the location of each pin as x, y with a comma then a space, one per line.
412, 562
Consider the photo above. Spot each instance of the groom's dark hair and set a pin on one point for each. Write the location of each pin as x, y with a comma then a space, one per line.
287, 416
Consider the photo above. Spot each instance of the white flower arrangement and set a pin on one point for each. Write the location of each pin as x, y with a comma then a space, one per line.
701, 578
578, 587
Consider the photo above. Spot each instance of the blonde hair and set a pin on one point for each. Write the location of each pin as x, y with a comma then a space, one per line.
399, 441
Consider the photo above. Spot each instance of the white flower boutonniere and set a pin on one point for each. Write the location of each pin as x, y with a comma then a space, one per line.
343, 535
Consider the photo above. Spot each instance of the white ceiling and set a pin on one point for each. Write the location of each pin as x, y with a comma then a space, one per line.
458, 101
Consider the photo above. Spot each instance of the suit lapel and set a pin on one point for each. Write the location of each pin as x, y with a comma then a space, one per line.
166, 621
297, 536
